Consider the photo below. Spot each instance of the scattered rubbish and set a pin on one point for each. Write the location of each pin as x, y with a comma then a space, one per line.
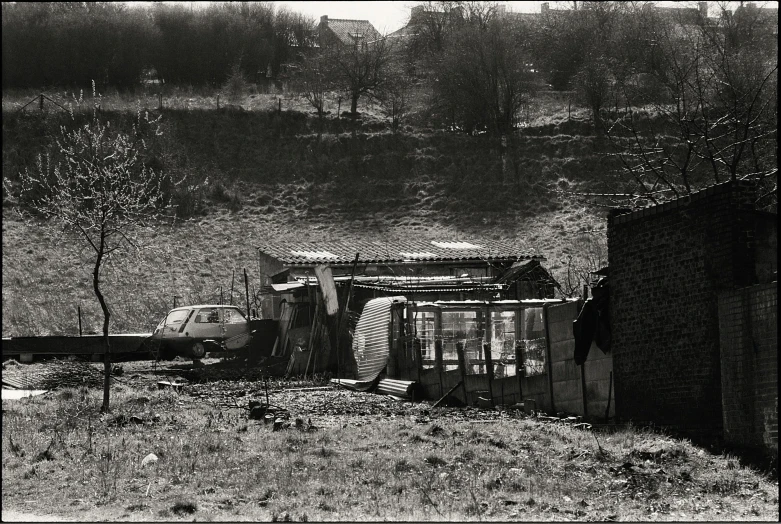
176, 386
16, 394
484, 403
438, 402
149, 459
404, 389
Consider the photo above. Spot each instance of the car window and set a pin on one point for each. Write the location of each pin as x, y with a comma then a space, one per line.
233, 316
176, 316
207, 315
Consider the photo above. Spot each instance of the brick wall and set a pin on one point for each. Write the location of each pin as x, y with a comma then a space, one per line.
667, 265
748, 333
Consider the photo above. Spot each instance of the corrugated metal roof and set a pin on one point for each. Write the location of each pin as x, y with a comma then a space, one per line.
343, 252
370, 341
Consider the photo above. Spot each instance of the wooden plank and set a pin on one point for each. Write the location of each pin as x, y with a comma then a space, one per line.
325, 280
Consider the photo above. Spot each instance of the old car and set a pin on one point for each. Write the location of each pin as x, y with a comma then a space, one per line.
192, 331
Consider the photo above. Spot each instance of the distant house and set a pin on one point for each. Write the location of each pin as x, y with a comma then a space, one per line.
336, 31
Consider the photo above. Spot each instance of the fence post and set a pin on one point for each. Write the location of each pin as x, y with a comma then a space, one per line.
279, 110
218, 100
520, 369
41, 102
462, 368
79, 320
246, 289
546, 325
489, 365
438, 363
160, 100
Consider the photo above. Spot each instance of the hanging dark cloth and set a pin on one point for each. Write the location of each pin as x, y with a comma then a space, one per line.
593, 323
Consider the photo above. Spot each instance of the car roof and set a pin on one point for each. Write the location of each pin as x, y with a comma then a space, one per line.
204, 305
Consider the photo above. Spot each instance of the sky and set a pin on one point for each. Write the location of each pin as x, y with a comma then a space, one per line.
384, 16
388, 16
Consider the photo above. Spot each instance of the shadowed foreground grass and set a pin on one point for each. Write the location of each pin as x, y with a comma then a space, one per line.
60, 457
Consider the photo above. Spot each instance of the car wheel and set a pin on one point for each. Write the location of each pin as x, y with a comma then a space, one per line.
198, 350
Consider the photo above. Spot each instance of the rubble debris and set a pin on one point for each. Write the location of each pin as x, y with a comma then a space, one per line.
175, 385
149, 459
404, 389
16, 394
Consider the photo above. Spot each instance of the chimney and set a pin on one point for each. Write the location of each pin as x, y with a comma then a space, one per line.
544, 7
324, 20
703, 9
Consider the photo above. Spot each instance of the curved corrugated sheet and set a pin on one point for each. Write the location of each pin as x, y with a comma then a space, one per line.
370, 340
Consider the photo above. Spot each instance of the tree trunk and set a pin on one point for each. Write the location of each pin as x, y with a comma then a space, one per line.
354, 106
106, 317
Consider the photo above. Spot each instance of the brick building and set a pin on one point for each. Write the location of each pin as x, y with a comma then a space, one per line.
670, 264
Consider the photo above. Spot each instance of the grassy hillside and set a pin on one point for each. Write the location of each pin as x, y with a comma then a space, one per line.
254, 175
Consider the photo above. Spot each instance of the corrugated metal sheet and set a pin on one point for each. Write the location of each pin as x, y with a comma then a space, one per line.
399, 251
370, 341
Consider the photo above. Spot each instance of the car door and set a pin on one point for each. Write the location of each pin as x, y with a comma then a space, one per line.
235, 327
205, 325
171, 325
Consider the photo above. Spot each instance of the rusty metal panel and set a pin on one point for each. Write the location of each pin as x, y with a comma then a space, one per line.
371, 339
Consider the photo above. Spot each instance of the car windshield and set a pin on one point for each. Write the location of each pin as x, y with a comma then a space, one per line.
176, 316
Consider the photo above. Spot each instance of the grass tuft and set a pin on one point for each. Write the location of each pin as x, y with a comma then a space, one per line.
184, 507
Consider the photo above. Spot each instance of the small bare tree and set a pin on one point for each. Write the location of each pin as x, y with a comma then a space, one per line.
312, 79
95, 186
394, 95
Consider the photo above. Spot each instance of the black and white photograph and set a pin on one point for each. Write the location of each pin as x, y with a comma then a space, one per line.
407, 261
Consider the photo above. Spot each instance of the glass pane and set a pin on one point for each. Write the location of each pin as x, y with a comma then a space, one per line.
503, 343
424, 326
207, 315
532, 326
533, 344
234, 316
176, 317
465, 328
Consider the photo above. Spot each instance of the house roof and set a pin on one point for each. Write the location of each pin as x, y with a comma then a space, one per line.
402, 251
347, 30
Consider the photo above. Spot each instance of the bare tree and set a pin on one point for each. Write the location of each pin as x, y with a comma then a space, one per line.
96, 187
313, 79
394, 95
715, 119
360, 69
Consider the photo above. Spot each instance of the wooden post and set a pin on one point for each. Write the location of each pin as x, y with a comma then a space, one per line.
220, 295
520, 369
462, 368
246, 288
418, 358
41, 102
233, 277
583, 388
489, 368
438, 363
548, 356
609, 391
80, 321
279, 110
218, 100
160, 100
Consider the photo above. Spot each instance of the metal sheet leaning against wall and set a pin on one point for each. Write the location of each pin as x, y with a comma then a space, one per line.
371, 339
